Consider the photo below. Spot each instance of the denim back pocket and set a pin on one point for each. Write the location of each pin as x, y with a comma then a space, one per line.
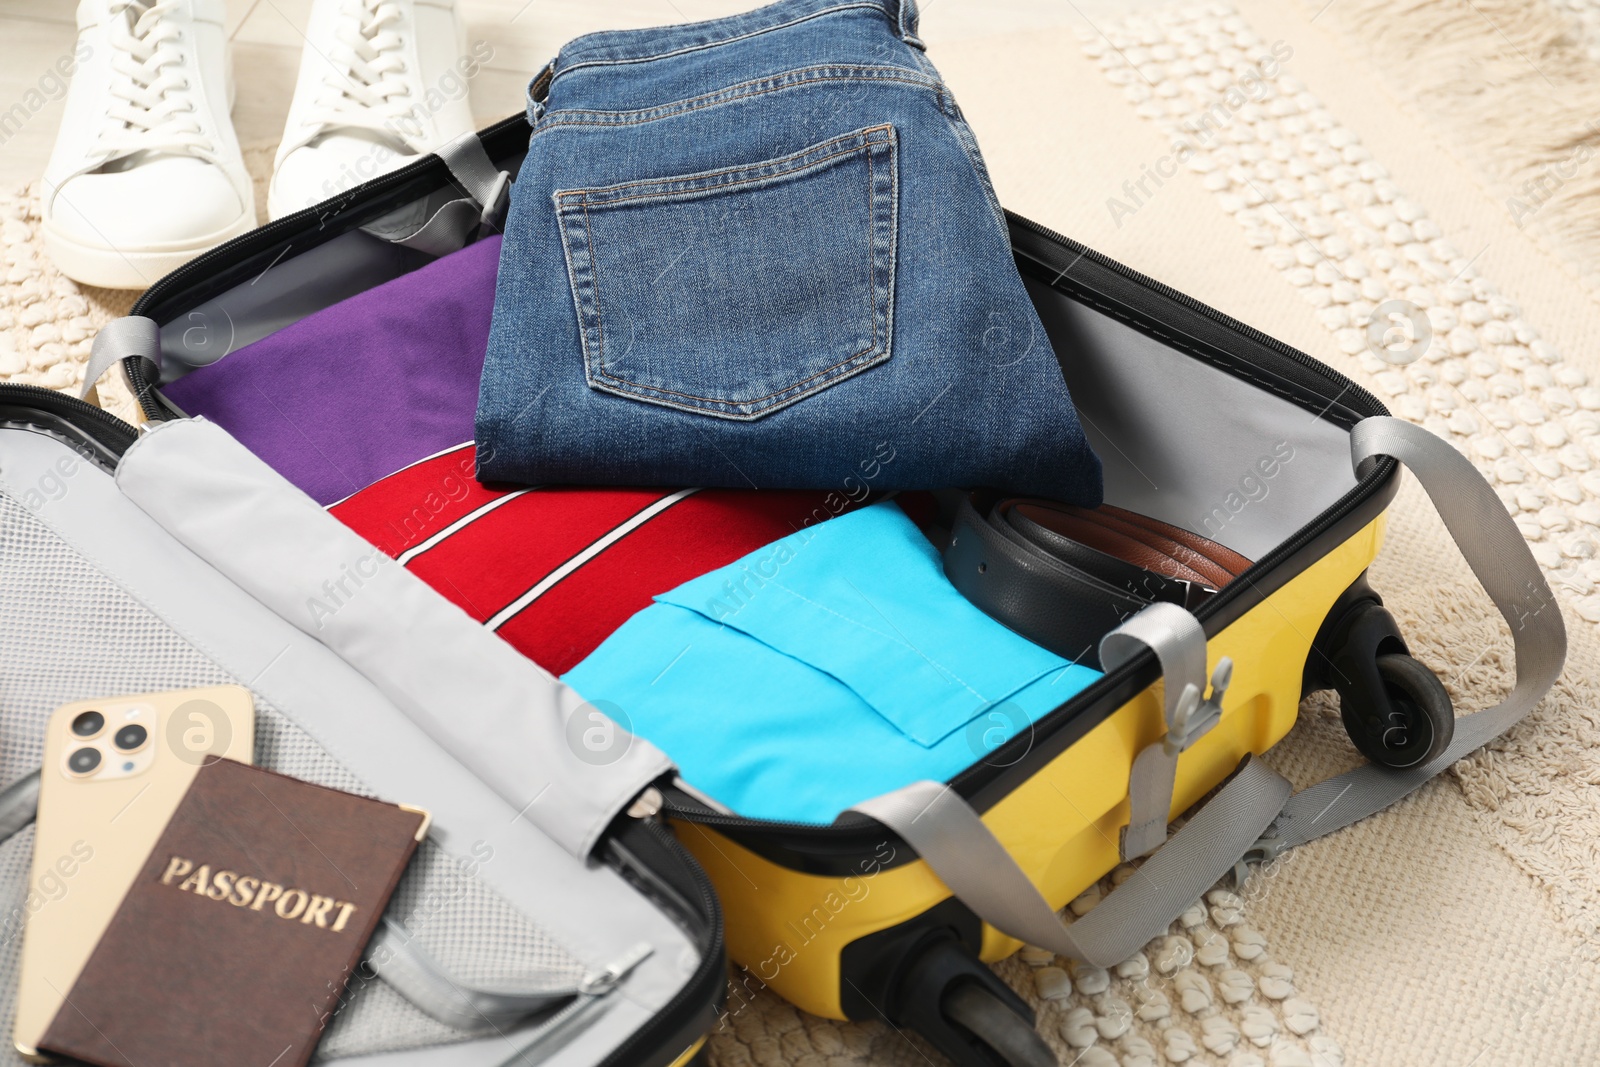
736, 292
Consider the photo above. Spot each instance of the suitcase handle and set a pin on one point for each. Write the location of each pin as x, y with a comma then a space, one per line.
1254, 815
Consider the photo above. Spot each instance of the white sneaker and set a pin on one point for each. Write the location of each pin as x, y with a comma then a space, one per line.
381, 82
146, 172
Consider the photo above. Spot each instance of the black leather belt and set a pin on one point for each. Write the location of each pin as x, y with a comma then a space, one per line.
1063, 594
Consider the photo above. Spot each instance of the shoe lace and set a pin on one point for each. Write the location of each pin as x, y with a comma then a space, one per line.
152, 102
365, 88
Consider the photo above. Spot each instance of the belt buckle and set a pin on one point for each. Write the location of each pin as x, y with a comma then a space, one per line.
1195, 593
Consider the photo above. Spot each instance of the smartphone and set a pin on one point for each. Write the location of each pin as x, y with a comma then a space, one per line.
113, 773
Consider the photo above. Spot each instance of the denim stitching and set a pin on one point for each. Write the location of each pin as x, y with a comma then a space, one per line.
872, 250
969, 147
872, 314
863, 145
577, 286
734, 404
692, 190
599, 318
620, 123
796, 76
857, 140
893, 251
594, 356
772, 84
619, 61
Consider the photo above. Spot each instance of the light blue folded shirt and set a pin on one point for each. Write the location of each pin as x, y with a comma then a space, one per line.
829, 667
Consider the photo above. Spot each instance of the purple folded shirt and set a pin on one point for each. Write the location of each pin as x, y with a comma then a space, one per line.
360, 389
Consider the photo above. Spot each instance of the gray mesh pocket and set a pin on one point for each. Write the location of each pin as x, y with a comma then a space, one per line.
67, 630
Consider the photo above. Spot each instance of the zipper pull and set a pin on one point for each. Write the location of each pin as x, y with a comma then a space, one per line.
599, 983
647, 805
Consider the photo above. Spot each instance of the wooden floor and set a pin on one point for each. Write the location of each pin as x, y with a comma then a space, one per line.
267, 37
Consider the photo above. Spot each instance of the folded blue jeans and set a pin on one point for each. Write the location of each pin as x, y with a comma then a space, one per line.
764, 251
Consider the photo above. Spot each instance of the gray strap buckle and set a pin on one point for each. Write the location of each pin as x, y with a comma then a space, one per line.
1196, 717
1155, 769
458, 222
1268, 847
1179, 643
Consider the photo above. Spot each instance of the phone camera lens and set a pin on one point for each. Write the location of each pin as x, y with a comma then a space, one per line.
88, 723
131, 737
84, 761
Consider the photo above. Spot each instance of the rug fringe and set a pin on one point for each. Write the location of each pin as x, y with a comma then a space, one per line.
1511, 80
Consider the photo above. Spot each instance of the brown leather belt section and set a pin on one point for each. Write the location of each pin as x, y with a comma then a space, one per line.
1064, 576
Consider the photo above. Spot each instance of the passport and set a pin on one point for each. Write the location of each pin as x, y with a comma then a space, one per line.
235, 942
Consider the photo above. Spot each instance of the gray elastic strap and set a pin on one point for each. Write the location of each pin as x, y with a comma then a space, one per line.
1180, 646
954, 841
18, 802
457, 221
447, 230
131, 335
492, 709
1502, 562
475, 171
394, 955
396, 958
472, 168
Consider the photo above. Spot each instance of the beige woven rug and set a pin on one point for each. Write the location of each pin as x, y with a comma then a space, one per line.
1297, 164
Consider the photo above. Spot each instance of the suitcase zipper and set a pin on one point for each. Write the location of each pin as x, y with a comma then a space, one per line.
598, 983
110, 435
1318, 369
681, 1011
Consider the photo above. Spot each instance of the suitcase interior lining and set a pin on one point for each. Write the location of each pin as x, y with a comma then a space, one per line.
131, 610
1189, 443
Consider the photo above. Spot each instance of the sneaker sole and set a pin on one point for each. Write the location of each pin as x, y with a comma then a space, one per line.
110, 268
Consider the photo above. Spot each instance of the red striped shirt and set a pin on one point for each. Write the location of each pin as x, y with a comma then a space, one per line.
555, 570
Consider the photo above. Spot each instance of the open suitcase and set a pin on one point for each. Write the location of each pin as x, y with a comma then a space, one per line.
888, 912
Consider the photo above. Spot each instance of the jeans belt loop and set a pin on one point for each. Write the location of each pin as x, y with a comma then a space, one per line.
539, 91
907, 18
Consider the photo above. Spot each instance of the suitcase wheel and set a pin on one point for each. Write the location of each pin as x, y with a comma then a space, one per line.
1418, 723
1394, 708
966, 1012
1010, 1037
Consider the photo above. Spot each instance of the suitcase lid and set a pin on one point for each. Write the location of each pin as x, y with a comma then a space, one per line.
107, 601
